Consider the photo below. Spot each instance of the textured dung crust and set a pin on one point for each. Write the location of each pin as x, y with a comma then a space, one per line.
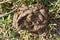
32, 17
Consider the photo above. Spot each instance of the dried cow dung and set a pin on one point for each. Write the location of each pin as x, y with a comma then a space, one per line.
32, 17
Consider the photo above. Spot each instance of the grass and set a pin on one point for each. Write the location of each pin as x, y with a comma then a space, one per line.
7, 31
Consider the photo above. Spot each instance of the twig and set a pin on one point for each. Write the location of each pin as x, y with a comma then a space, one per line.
8, 13
1, 15
3, 2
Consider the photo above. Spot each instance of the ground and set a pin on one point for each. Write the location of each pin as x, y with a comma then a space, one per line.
7, 31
